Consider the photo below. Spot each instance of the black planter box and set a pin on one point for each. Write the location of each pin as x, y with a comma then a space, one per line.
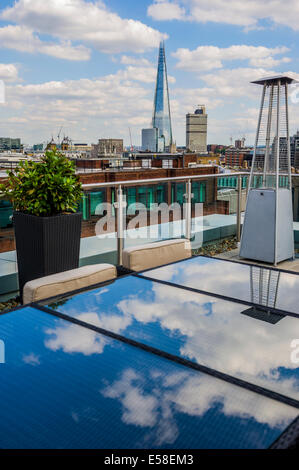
46, 245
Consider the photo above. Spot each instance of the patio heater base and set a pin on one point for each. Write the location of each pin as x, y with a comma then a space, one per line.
268, 233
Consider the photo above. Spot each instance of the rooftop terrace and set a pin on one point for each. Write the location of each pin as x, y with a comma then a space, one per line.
198, 354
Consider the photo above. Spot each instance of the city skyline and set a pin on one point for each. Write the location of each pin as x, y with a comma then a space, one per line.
91, 66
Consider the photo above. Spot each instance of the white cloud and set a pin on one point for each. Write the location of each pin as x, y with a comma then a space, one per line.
22, 39
31, 359
87, 108
220, 324
235, 83
211, 57
146, 74
247, 13
80, 21
8, 72
164, 10
72, 339
129, 60
155, 400
139, 408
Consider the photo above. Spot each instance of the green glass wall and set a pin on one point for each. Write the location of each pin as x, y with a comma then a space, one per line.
89, 203
5, 214
147, 195
232, 181
178, 190
161, 195
177, 193
96, 198
199, 192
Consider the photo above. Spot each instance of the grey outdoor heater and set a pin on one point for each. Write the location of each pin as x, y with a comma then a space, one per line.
267, 233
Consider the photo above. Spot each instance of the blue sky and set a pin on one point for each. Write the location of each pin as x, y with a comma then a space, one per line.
90, 66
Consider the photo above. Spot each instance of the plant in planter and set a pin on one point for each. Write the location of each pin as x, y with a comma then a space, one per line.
45, 197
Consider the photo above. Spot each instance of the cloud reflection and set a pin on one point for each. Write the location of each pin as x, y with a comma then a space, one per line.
157, 404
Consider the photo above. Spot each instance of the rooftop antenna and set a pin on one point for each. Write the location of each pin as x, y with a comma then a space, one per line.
267, 233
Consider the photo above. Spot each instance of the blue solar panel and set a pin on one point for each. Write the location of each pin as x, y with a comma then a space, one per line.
65, 386
270, 288
206, 330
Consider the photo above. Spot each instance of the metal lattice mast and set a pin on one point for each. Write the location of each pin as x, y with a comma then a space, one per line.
267, 233
264, 286
272, 159
258, 133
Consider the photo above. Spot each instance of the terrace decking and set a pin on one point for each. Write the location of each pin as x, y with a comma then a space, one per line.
233, 255
196, 354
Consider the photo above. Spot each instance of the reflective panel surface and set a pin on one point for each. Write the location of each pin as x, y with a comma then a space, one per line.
254, 284
64, 386
222, 335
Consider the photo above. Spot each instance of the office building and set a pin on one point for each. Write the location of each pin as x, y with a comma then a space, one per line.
235, 157
150, 139
196, 130
107, 147
8, 144
240, 143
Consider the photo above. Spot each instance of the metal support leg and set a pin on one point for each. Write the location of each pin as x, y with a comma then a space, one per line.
239, 208
120, 205
277, 168
188, 207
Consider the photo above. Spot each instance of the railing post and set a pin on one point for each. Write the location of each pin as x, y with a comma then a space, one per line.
119, 207
188, 207
239, 207
247, 188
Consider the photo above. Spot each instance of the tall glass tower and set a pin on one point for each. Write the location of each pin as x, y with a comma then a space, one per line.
161, 115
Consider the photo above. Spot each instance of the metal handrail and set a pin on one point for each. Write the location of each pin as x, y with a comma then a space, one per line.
165, 180
161, 180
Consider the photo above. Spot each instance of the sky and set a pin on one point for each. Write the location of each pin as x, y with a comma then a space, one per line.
89, 66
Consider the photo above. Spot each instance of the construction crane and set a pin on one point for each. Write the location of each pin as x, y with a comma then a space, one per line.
58, 136
132, 148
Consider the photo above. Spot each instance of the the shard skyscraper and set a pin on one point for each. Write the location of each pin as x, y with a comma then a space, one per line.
161, 115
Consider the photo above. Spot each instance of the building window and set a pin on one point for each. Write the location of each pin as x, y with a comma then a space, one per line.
199, 192
146, 163
167, 163
177, 193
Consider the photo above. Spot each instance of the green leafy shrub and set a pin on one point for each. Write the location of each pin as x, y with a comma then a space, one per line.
44, 188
